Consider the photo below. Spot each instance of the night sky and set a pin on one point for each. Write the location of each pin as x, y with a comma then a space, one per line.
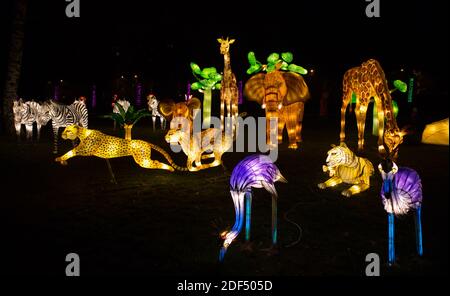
157, 41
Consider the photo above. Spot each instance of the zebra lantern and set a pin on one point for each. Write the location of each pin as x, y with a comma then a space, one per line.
153, 103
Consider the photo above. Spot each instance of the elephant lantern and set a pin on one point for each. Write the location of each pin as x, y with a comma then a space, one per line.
282, 95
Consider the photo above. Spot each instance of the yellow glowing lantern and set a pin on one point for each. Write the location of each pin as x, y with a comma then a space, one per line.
282, 95
363, 83
343, 166
195, 146
95, 143
436, 133
176, 111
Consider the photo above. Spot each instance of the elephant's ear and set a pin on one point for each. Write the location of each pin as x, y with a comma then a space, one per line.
297, 88
166, 108
254, 88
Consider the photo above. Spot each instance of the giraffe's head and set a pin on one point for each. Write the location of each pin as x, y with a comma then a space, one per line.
392, 140
225, 45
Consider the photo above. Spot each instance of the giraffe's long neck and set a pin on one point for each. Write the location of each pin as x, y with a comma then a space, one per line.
385, 98
227, 67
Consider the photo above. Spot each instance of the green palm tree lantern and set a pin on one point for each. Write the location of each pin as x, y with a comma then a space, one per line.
273, 60
207, 80
398, 85
128, 118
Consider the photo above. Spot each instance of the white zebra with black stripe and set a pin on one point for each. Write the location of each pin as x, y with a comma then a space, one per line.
65, 115
153, 104
26, 113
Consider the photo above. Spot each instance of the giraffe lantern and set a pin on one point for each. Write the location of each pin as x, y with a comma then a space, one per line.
229, 92
366, 81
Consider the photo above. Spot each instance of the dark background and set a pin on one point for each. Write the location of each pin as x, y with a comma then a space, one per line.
157, 40
157, 223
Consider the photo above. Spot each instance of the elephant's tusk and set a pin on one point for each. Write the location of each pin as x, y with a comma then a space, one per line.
263, 106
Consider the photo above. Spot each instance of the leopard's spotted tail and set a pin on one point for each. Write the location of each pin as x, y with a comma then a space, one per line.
169, 159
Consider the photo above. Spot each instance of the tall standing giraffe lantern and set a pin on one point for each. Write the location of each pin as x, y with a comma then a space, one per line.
229, 92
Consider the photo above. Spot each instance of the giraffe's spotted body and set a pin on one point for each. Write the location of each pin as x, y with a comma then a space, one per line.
367, 81
229, 93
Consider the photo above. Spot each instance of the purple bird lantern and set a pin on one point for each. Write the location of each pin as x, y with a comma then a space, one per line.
401, 192
254, 171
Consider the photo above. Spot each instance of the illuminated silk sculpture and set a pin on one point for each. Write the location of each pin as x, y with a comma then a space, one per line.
195, 146
366, 81
343, 166
281, 91
254, 171
125, 105
26, 113
399, 85
153, 103
401, 192
95, 143
176, 111
208, 80
229, 92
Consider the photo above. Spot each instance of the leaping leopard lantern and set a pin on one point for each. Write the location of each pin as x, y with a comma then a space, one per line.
95, 143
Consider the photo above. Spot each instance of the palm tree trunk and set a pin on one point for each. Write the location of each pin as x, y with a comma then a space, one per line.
128, 128
14, 64
207, 94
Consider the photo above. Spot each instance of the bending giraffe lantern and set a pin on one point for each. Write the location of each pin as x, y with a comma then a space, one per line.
153, 103
343, 166
254, 171
401, 192
281, 93
366, 81
229, 93
399, 85
95, 143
